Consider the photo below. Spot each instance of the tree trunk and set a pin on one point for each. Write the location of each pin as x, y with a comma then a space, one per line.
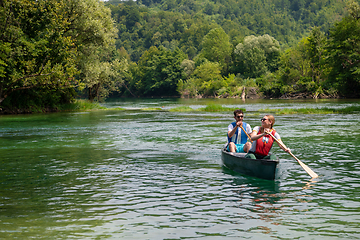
93, 92
243, 94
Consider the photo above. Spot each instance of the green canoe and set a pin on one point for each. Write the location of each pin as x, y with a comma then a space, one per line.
261, 168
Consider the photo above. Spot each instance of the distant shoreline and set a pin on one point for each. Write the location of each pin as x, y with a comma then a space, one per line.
85, 106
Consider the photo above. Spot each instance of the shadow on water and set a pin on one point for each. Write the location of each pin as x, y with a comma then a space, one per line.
260, 190
241, 179
258, 198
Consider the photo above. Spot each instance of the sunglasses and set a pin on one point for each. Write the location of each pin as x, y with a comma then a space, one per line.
263, 119
240, 116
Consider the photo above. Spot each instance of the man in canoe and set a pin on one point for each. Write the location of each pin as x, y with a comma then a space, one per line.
263, 141
237, 138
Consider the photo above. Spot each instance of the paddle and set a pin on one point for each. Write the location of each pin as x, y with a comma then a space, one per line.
246, 133
306, 168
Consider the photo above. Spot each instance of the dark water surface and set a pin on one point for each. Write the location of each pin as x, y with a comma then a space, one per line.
158, 175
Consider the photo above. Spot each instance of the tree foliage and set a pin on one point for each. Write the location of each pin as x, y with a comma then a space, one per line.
216, 46
35, 49
196, 48
158, 72
242, 37
49, 44
94, 33
184, 23
344, 54
256, 55
205, 81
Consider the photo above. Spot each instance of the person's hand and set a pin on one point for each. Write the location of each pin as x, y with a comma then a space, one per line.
267, 130
288, 150
238, 123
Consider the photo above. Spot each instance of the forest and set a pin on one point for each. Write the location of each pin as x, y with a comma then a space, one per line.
53, 52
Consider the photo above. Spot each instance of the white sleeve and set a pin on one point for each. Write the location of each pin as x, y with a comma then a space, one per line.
248, 128
230, 127
277, 136
256, 129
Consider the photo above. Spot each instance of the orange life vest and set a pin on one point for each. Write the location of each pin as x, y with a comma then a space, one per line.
264, 144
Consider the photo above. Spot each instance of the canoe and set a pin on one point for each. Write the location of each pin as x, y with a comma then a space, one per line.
260, 168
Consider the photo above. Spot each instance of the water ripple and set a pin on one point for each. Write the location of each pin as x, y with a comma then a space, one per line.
130, 175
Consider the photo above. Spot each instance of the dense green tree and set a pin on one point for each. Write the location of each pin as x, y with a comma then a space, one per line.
294, 74
315, 48
100, 78
302, 69
249, 62
216, 47
158, 72
149, 2
95, 31
48, 44
256, 55
34, 49
354, 9
205, 81
54, 46
295, 64
285, 20
192, 38
344, 54
188, 67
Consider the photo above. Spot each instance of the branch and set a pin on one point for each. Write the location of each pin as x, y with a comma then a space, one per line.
22, 88
349, 62
129, 89
30, 76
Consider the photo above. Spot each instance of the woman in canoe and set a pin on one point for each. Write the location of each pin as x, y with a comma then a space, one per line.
262, 141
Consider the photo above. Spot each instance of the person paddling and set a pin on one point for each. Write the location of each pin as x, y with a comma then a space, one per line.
237, 138
262, 141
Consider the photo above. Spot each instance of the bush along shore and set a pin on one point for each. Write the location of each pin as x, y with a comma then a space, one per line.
76, 106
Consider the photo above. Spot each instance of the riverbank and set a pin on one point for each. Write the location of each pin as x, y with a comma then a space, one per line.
254, 93
77, 106
84, 106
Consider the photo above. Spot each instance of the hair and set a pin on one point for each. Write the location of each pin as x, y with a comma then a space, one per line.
271, 118
238, 111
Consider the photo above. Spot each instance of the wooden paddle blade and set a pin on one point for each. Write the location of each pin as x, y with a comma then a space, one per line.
307, 169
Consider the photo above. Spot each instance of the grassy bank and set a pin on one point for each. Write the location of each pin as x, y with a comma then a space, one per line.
312, 110
208, 108
219, 108
83, 105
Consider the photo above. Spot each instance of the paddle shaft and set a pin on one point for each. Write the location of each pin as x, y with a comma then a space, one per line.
306, 168
246, 133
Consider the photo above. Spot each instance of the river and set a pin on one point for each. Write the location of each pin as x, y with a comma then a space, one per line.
139, 174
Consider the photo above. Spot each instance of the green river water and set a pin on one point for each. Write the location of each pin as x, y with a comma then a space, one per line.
158, 175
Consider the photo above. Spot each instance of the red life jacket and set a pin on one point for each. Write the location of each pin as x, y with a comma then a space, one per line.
264, 144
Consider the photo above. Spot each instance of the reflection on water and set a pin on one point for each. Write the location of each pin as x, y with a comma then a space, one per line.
158, 175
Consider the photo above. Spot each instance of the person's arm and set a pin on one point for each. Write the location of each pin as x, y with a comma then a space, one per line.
232, 132
254, 135
283, 147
